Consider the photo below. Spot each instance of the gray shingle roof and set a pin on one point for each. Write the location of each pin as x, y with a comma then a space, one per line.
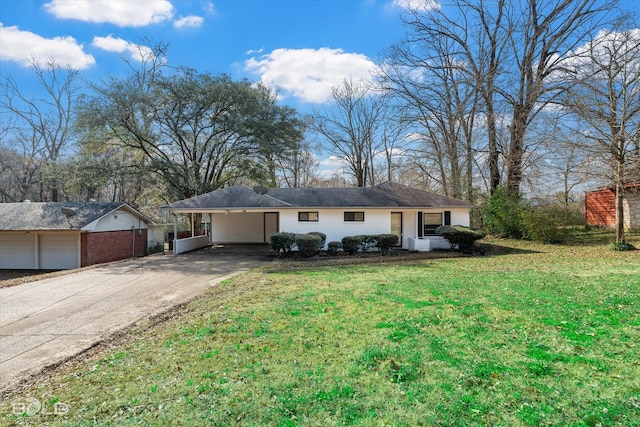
386, 195
49, 215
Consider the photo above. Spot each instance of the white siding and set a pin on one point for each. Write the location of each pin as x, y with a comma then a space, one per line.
238, 228
376, 221
59, 251
331, 222
117, 220
17, 250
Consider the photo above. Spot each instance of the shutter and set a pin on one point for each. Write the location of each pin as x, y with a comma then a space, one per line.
447, 217
420, 225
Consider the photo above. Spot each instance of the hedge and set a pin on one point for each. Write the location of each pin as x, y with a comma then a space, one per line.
334, 247
352, 244
386, 241
282, 242
308, 244
462, 238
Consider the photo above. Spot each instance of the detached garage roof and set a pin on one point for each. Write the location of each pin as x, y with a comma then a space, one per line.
51, 215
386, 195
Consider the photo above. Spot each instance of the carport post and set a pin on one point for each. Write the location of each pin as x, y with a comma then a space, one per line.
210, 229
175, 232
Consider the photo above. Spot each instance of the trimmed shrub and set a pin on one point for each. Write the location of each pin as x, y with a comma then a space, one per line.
462, 238
386, 242
352, 244
334, 247
307, 244
369, 243
323, 238
282, 242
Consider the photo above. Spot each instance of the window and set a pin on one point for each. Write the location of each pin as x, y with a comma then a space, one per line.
308, 216
354, 216
428, 222
431, 221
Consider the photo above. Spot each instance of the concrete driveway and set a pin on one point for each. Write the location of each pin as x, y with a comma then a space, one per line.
42, 323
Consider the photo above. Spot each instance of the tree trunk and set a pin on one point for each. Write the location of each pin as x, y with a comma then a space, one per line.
620, 204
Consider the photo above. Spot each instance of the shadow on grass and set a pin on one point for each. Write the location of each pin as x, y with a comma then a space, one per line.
492, 249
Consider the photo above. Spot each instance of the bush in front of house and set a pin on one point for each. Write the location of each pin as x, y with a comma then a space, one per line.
369, 243
352, 244
460, 237
282, 242
308, 244
386, 241
323, 238
334, 247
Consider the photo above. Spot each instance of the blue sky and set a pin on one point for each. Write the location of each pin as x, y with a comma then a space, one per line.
304, 47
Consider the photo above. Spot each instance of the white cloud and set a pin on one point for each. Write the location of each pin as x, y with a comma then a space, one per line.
191, 21
209, 8
419, 5
129, 13
24, 46
115, 44
330, 166
309, 74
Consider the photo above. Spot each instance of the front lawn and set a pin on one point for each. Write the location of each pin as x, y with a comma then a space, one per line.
531, 335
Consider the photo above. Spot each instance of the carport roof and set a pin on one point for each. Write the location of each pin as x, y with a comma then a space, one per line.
386, 195
50, 216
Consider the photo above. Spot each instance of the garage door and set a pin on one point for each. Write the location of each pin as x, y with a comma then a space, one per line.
17, 250
58, 251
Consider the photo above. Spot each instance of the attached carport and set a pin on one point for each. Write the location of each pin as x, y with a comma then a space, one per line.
224, 227
226, 216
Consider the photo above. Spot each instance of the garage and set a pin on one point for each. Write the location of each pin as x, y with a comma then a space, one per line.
59, 236
17, 250
59, 251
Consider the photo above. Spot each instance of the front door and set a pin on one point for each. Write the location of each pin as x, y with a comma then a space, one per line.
396, 225
271, 224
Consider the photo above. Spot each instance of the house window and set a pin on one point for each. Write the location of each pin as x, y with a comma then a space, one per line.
308, 216
431, 221
354, 216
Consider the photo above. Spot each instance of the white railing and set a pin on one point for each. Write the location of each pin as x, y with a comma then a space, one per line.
190, 243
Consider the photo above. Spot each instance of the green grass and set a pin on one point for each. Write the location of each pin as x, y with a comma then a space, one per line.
532, 335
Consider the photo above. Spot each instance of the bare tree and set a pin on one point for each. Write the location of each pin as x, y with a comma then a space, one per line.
470, 42
350, 127
298, 166
542, 35
41, 126
510, 52
605, 97
440, 103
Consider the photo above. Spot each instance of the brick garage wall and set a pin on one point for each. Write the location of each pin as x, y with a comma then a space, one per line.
112, 246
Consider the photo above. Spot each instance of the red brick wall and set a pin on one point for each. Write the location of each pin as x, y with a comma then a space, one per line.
112, 246
600, 207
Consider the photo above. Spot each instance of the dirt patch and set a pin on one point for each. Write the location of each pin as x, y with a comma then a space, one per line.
18, 277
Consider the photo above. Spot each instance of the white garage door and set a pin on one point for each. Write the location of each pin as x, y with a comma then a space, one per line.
17, 250
58, 251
